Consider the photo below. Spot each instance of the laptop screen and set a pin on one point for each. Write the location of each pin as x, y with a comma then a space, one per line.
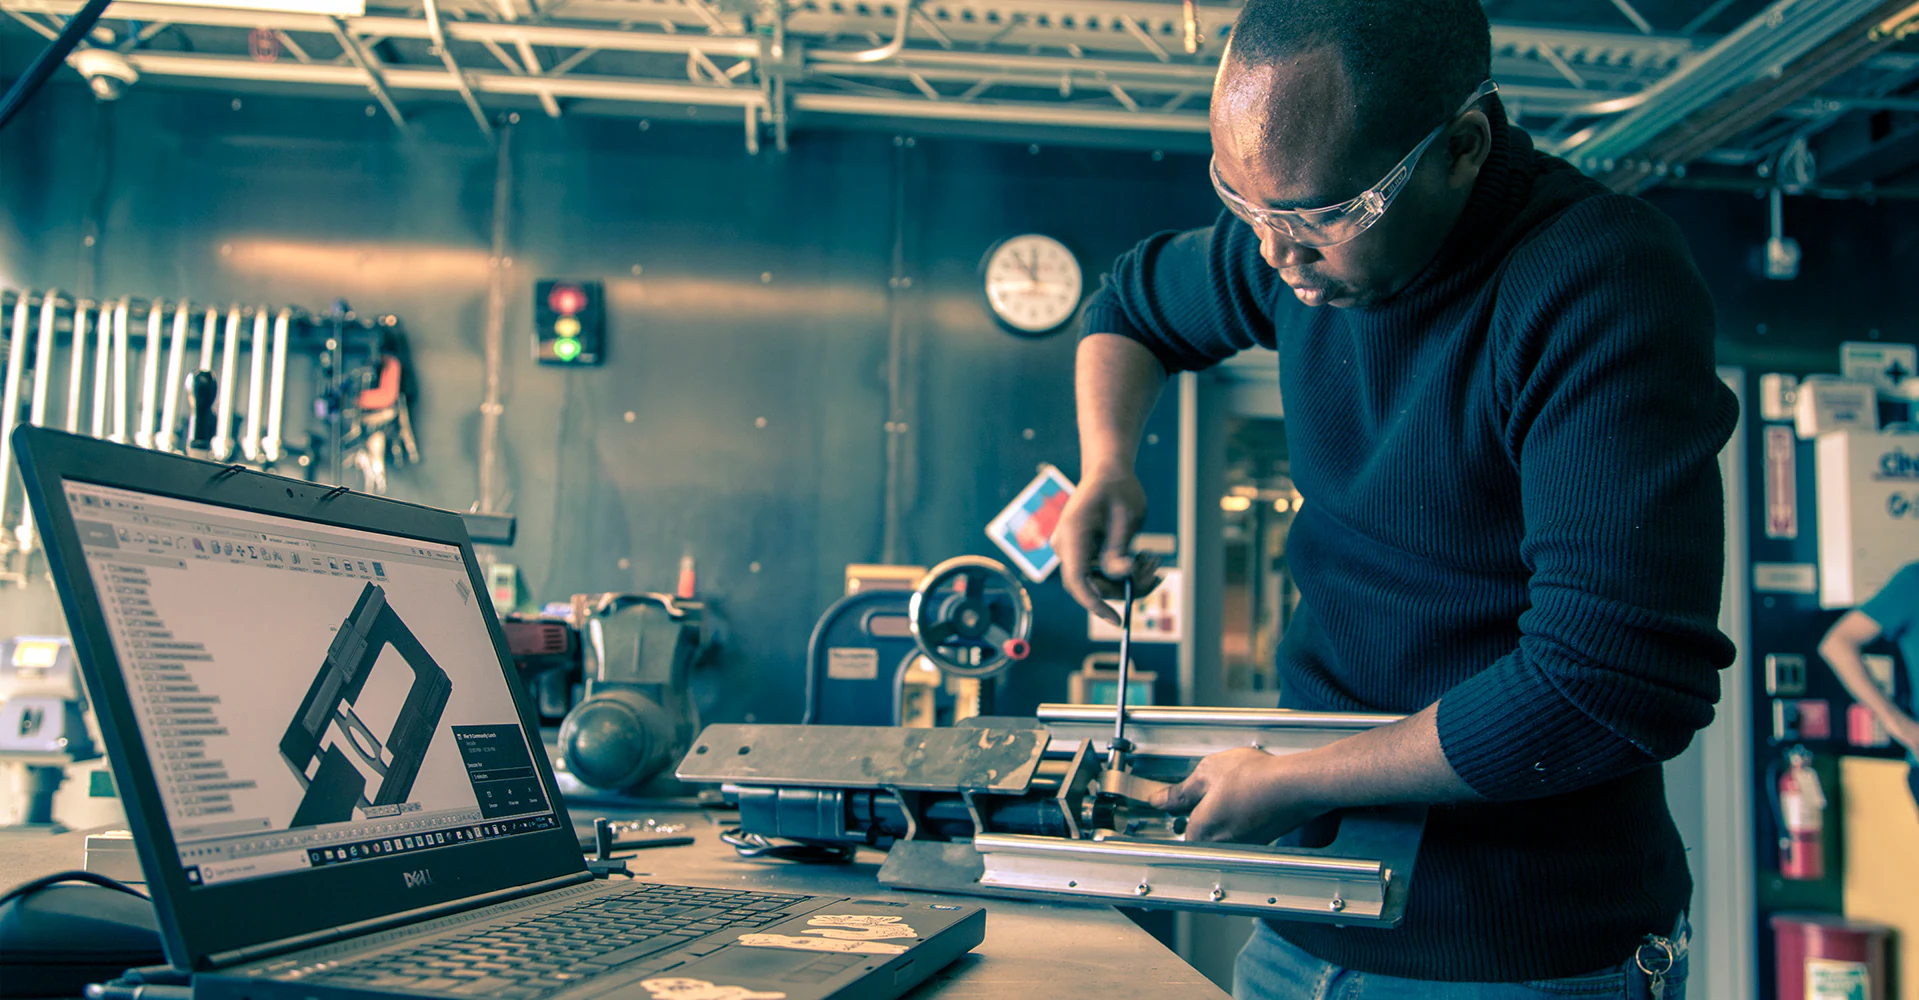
308, 695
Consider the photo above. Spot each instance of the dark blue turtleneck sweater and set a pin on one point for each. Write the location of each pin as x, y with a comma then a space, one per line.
1512, 508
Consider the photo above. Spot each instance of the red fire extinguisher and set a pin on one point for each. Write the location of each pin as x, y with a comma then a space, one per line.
1802, 819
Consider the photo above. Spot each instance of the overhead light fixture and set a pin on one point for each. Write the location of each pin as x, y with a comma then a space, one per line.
331, 8
1232, 503
1782, 251
107, 72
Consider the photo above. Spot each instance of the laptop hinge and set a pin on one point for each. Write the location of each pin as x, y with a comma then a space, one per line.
343, 932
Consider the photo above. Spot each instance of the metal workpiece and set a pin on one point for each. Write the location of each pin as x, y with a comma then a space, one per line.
866, 757
1007, 807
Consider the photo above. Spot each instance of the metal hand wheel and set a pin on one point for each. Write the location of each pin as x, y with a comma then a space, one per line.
971, 617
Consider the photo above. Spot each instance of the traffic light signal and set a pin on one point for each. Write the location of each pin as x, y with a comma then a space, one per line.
569, 322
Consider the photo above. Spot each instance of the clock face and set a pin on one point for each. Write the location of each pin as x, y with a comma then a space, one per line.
1032, 283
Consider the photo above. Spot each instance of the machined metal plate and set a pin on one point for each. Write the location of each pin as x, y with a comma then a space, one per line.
1172, 731
891, 757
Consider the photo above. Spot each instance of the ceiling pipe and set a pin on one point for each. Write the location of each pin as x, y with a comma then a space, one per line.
881, 54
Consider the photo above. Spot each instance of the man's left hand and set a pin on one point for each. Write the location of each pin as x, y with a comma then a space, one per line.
1244, 795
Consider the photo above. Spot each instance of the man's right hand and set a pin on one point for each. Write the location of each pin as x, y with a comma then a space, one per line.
1094, 541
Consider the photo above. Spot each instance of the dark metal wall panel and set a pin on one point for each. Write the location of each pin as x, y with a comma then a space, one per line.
762, 294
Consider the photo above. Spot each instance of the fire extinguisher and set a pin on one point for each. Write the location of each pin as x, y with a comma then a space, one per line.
1800, 809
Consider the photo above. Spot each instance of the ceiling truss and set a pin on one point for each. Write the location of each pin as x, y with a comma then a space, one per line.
1131, 70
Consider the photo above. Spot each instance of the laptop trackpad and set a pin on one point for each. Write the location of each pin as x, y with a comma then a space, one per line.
744, 973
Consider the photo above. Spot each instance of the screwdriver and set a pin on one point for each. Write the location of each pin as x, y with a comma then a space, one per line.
1117, 750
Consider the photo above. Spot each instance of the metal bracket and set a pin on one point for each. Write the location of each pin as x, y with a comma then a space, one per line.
879, 757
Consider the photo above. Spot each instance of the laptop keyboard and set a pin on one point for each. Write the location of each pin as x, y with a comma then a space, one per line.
547, 953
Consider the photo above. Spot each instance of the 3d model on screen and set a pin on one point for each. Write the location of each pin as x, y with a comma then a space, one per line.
334, 784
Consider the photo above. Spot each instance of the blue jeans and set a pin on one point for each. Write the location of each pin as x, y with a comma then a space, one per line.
1271, 969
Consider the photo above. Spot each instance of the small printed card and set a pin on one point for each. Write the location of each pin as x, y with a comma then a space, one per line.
1024, 530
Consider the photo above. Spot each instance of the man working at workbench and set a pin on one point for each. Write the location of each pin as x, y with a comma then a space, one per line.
1502, 413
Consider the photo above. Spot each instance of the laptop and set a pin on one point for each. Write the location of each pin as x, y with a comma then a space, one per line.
337, 789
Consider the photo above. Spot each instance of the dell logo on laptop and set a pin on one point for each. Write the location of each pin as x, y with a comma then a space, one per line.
414, 880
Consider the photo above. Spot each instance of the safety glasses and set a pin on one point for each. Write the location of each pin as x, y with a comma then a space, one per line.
1336, 224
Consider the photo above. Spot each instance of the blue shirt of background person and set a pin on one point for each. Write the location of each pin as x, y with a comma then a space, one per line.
1892, 613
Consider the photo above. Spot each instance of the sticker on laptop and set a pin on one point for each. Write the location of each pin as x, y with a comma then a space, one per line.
678, 988
859, 927
819, 944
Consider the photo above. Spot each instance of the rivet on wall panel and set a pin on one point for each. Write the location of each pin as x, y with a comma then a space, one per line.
630, 416
759, 421
1158, 155
236, 104
691, 111
766, 277
625, 563
1033, 149
1152, 439
371, 111
753, 567
226, 249
1870, 334
636, 270
88, 241
644, 124
1028, 434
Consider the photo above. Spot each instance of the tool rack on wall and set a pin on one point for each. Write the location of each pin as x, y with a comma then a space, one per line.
120, 368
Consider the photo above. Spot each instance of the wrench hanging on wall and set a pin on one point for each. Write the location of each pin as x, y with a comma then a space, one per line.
76, 367
150, 376
42, 375
276, 388
223, 420
209, 332
170, 391
102, 359
119, 434
250, 438
10, 393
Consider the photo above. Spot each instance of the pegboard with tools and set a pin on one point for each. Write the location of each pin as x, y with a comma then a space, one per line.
211, 381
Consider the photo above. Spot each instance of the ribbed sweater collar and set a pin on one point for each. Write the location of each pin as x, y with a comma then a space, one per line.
1499, 195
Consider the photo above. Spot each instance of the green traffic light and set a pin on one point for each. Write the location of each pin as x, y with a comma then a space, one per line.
566, 349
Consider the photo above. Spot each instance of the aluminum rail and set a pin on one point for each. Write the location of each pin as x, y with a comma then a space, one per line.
1250, 718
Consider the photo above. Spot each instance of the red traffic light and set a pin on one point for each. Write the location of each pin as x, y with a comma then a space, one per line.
567, 300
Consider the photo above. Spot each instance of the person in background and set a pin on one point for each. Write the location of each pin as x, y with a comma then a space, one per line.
1892, 613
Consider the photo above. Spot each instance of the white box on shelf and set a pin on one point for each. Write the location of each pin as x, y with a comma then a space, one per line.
1824, 404
1868, 508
